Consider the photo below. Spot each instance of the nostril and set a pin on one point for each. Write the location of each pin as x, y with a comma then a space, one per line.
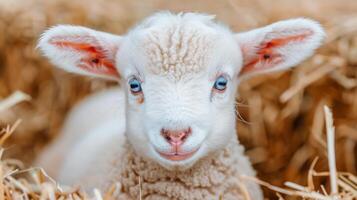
176, 137
167, 138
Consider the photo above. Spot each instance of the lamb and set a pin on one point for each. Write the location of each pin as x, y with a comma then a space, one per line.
171, 124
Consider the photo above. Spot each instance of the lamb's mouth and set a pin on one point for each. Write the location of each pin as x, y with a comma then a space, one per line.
177, 156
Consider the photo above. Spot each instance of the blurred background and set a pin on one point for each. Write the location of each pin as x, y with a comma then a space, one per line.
280, 120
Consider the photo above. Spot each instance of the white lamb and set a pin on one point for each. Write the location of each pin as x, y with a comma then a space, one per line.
172, 122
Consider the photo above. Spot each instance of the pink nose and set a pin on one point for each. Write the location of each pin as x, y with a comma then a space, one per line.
176, 137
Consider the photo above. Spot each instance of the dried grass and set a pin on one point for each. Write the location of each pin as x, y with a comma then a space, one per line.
281, 116
343, 185
17, 183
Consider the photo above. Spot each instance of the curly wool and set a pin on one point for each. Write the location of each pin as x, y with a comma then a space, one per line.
214, 177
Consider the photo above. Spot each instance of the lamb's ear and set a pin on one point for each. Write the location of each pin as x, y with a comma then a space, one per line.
81, 50
278, 46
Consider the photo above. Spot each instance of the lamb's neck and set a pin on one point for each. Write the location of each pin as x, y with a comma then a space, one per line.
208, 173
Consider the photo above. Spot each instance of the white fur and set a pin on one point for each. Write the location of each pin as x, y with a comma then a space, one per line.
91, 114
177, 58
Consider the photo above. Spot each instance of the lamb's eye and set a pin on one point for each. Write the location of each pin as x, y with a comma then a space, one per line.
220, 84
135, 85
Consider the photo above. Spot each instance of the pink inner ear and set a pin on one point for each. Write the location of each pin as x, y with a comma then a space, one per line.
95, 59
266, 56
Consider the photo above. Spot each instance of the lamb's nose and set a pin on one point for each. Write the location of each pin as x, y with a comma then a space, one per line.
176, 137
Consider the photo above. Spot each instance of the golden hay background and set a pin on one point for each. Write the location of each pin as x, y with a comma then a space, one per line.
283, 126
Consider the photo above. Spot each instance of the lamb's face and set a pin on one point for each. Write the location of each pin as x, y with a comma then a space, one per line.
180, 80
181, 73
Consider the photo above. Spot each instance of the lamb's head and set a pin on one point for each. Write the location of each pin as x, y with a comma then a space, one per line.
180, 73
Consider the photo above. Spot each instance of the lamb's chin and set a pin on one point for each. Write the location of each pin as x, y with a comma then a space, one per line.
177, 156
179, 165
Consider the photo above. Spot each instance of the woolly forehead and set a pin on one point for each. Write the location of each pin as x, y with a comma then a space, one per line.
178, 49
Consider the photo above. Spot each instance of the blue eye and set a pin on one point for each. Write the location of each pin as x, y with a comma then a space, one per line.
135, 85
221, 83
